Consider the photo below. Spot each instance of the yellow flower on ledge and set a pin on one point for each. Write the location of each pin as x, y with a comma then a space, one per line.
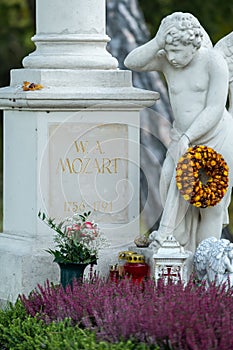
27, 86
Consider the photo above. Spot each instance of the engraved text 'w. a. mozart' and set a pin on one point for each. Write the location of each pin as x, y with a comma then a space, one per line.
90, 160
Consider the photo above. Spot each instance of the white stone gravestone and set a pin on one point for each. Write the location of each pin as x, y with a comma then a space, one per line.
71, 146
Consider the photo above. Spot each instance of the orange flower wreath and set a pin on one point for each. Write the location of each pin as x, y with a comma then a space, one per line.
202, 176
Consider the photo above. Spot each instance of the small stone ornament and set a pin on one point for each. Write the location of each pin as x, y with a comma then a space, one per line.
213, 261
141, 241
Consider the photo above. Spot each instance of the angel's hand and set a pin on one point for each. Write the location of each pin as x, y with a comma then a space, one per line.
180, 148
164, 29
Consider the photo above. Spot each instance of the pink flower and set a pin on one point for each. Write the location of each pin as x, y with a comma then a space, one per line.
76, 227
69, 229
88, 224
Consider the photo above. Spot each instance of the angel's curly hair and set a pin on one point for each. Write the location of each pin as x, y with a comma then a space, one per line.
186, 30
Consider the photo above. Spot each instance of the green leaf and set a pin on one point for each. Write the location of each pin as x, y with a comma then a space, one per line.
82, 217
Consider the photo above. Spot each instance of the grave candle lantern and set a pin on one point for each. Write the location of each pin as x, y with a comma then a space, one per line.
136, 268
169, 262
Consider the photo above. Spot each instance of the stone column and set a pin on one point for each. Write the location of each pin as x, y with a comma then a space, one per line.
72, 145
70, 35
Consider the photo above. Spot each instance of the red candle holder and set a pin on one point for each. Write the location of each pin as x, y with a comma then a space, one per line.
136, 268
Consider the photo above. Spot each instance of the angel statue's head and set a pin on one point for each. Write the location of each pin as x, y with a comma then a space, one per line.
183, 39
186, 29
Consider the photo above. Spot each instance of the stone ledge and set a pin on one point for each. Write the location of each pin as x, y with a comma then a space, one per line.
58, 98
72, 78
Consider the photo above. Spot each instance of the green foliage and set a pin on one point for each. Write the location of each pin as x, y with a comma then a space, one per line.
21, 332
215, 16
11, 312
16, 31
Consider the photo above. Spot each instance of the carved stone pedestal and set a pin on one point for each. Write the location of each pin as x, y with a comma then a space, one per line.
69, 147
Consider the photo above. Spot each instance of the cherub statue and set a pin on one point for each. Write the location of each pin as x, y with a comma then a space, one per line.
201, 257
213, 261
197, 77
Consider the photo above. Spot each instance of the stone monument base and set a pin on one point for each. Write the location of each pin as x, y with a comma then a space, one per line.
25, 264
23, 267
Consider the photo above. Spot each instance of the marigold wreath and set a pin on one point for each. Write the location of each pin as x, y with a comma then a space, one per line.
202, 176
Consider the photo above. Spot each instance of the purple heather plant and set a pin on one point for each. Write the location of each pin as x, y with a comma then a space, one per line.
173, 316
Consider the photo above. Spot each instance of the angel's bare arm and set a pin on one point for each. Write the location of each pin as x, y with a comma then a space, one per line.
145, 57
150, 56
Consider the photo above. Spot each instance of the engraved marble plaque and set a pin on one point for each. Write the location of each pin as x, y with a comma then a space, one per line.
88, 169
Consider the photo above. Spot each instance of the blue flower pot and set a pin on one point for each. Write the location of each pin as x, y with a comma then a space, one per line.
71, 271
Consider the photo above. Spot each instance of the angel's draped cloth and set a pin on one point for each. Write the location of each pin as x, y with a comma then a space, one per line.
179, 217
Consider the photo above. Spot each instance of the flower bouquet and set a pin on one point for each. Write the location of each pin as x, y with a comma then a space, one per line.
77, 239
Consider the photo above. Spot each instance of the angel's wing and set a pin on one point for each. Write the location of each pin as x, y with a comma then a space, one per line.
225, 46
206, 42
201, 256
216, 264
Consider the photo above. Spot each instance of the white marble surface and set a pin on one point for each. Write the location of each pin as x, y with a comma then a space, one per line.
81, 87
70, 35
